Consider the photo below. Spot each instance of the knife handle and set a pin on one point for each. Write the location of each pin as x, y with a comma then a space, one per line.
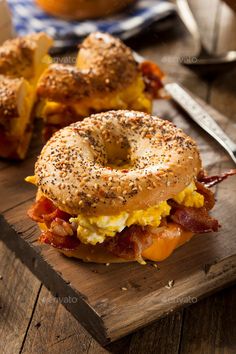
201, 117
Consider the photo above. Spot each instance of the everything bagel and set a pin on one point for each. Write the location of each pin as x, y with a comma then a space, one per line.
121, 186
106, 76
104, 64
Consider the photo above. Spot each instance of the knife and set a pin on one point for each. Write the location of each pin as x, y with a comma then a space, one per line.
198, 114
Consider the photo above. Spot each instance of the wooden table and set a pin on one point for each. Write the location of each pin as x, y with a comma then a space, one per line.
32, 321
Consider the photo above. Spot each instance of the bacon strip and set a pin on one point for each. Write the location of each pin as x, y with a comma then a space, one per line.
209, 197
40, 208
210, 181
152, 76
44, 211
196, 220
130, 243
60, 233
63, 243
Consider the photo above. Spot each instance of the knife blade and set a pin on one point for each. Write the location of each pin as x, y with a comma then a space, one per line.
197, 113
200, 116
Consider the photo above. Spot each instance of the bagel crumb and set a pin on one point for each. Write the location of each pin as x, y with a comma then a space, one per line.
170, 284
155, 266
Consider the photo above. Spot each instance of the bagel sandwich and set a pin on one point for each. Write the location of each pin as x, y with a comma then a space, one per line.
82, 9
121, 186
106, 76
22, 61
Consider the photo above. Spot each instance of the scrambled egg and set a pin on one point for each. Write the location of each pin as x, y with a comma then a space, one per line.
31, 179
94, 230
190, 197
132, 97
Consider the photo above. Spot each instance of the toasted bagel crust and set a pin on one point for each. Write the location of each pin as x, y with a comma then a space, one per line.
20, 56
10, 91
74, 168
104, 65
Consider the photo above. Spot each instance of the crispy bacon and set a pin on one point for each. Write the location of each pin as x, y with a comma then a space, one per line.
209, 198
44, 211
63, 243
210, 181
130, 243
40, 208
60, 232
152, 76
196, 220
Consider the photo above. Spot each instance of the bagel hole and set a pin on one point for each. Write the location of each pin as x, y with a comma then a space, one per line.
118, 154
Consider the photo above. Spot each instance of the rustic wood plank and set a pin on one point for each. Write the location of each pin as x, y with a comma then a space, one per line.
210, 325
33, 148
18, 292
158, 338
13, 191
54, 330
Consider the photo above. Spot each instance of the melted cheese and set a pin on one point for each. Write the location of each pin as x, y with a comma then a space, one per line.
166, 241
133, 98
19, 124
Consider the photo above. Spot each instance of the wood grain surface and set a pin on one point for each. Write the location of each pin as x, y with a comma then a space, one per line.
42, 324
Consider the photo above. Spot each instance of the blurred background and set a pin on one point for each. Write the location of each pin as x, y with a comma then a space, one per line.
137, 21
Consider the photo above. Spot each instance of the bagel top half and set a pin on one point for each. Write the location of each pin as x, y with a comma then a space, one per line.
104, 65
116, 161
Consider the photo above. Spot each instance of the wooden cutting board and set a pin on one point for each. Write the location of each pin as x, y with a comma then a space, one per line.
112, 301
